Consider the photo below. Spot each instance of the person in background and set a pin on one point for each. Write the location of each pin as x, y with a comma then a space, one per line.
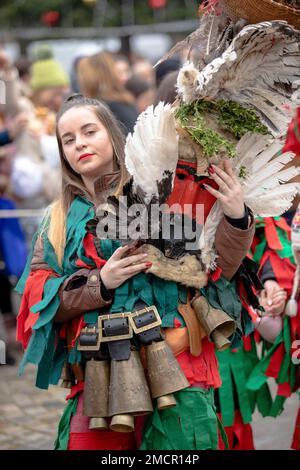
123, 68
164, 68
166, 90
142, 91
48, 80
276, 249
144, 69
34, 179
10, 132
97, 78
23, 65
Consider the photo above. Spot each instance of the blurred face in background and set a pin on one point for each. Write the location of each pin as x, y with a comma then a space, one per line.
144, 70
123, 70
51, 98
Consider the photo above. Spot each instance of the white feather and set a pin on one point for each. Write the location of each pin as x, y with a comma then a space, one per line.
207, 238
151, 152
266, 191
259, 69
274, 202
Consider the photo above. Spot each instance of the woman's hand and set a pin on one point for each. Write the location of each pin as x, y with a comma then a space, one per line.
120, 267
230, 193
273, 298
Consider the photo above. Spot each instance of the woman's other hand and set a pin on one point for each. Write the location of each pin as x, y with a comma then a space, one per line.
273, 298
230, 192
120, 267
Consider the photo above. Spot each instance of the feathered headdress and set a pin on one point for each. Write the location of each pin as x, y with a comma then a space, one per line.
236, 101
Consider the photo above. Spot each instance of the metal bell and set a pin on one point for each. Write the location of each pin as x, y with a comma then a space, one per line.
164, 373
128, 392
166, 401
122, 423
95, 395
98, 423
217, 324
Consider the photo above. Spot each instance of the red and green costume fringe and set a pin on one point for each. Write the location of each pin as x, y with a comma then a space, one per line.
237, 403
272, 243
45, 342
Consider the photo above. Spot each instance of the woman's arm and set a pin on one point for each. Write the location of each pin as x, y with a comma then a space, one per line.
81, 292
232, 245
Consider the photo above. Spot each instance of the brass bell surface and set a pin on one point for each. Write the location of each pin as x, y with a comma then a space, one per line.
217, 324
164, 373
98, 424
166, 401
95, 395
122, 423
220, 341
128, 389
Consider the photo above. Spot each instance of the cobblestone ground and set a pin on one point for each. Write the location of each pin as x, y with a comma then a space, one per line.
29, 416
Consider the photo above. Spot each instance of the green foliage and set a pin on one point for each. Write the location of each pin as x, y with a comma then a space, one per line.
231, 116
238, 119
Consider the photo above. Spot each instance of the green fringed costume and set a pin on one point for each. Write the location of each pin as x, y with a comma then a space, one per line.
272, 245
45, 340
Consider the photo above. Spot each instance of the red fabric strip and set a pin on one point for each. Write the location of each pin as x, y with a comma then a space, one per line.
284, 390
284, 271
240, 435
90, 250
275, 362
74, 390
77, 324
33, 293
215, 275
292, 143
282, 223
272, 235
203, 368
247, 343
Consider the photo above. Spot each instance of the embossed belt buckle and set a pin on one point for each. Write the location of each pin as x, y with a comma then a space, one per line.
156, 322
106, 339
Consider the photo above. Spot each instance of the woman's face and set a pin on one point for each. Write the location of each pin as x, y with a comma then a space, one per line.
86, 143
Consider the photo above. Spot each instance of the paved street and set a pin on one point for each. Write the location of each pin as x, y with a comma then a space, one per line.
29, 416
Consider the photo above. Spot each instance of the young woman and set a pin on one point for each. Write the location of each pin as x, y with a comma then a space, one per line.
72, 277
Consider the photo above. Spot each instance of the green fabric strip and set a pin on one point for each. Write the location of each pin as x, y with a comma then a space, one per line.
191, 425
62, 440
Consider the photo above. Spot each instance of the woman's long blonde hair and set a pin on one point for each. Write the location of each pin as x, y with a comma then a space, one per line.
72, 183
97, 78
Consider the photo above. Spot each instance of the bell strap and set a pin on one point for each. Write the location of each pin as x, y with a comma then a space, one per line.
195, 330
119, 350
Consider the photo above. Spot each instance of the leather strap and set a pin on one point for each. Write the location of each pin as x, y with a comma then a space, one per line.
119, 350
195, 331
145, 319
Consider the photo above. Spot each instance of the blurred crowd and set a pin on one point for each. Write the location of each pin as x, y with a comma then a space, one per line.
29, 159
